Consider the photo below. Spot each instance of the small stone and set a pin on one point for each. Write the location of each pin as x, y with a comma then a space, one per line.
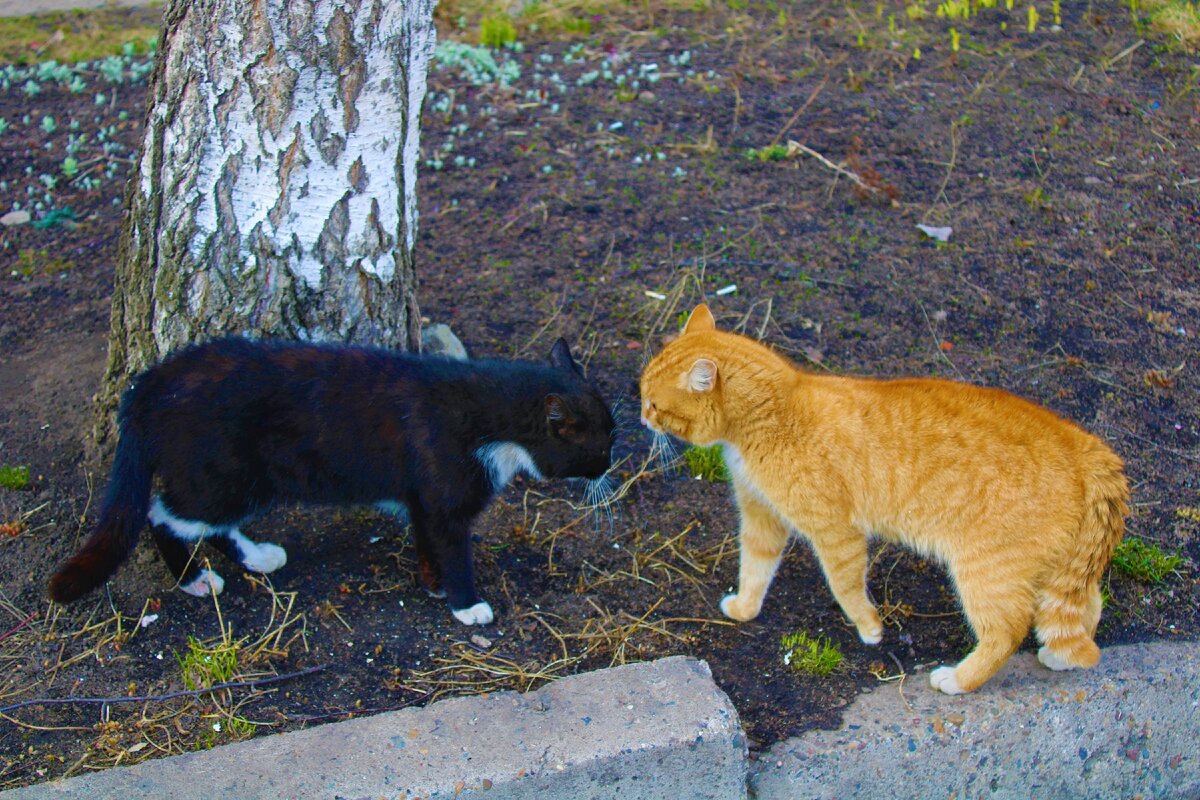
15, 218
481, 641
439, 340
955, 719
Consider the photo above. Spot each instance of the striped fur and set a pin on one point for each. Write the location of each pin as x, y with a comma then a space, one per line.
1023, 507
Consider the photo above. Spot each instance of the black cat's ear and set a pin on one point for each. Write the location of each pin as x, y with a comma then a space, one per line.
560, 357
556, 408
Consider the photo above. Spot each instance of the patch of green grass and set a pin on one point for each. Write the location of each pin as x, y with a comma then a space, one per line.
16, 478
72, 36
707, 462
1145, 561
1178, 20
812, 656
496, 31
39, 262
204, 666
772, 152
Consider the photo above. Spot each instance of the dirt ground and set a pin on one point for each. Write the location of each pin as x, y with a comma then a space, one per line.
597, 189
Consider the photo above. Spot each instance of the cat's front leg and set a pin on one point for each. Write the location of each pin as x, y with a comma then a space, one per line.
449, 544
762, 538
842, 550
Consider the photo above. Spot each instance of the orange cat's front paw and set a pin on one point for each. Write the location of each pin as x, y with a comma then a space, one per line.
742, 612
871, 635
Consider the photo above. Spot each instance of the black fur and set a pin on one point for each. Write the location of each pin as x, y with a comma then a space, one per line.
233, 426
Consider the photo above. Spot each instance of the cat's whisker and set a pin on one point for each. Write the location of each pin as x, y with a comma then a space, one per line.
664, 449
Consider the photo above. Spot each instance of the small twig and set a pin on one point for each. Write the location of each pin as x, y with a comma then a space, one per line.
800, 110
1126, 52
157, 698
23, 623
941, 192
838, 168
937, 343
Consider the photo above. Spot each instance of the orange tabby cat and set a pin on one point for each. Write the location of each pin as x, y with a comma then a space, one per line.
1022, 506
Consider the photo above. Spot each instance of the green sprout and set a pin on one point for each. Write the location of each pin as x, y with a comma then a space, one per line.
707, 463
16, 478
1145, 561
813, 656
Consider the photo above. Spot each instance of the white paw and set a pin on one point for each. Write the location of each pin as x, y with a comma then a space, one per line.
872, 637
478, 614
206, 583
944, 681
725, 601
265, 558
1052, 660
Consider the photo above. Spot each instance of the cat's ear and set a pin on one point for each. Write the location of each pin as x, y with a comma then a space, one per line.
560, 357
702, 377
701, 319
556, 408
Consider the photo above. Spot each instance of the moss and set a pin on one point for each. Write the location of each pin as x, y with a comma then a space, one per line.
16, 478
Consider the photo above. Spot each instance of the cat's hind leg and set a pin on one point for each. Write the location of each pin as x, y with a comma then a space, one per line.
178, 541
1000, 612
1066, 626
762, 538
254, 556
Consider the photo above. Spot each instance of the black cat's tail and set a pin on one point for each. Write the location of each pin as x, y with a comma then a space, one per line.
121, 519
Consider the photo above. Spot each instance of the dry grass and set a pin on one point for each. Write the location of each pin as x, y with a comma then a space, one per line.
167, 723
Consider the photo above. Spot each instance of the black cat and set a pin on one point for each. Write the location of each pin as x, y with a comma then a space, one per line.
232, 426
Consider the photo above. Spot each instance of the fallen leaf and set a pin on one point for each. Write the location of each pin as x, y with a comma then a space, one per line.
934, 232
1161, 321
1159, 378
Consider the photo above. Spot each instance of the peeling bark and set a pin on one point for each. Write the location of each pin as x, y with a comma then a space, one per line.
275, 193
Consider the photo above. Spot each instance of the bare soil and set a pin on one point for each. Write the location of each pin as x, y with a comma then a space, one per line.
1066, 163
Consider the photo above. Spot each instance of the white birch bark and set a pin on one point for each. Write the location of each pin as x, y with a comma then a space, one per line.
276, 188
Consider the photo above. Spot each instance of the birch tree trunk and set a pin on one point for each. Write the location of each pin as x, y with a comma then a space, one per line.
275, 192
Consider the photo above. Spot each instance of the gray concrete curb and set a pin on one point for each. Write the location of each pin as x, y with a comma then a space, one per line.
663, 729
651, 730
1128, 728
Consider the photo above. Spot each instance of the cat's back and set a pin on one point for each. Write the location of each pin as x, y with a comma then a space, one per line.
952, 419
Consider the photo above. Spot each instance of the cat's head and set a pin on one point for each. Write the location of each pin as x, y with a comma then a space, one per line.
579, 425
681, 386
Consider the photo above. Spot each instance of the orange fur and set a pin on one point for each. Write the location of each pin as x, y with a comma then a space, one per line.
1022, 506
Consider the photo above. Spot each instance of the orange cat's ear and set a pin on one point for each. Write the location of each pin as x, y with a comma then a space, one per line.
703, 375
700, 320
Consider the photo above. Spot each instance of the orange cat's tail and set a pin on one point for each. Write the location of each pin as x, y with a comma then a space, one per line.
1069, 609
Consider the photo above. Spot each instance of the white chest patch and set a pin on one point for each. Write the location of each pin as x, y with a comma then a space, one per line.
737, 469
503, 460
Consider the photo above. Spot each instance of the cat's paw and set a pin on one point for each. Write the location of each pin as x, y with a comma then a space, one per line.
732, 609
265, 558
944, 681
478, 614
206, 583
874, 636
1052, 660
